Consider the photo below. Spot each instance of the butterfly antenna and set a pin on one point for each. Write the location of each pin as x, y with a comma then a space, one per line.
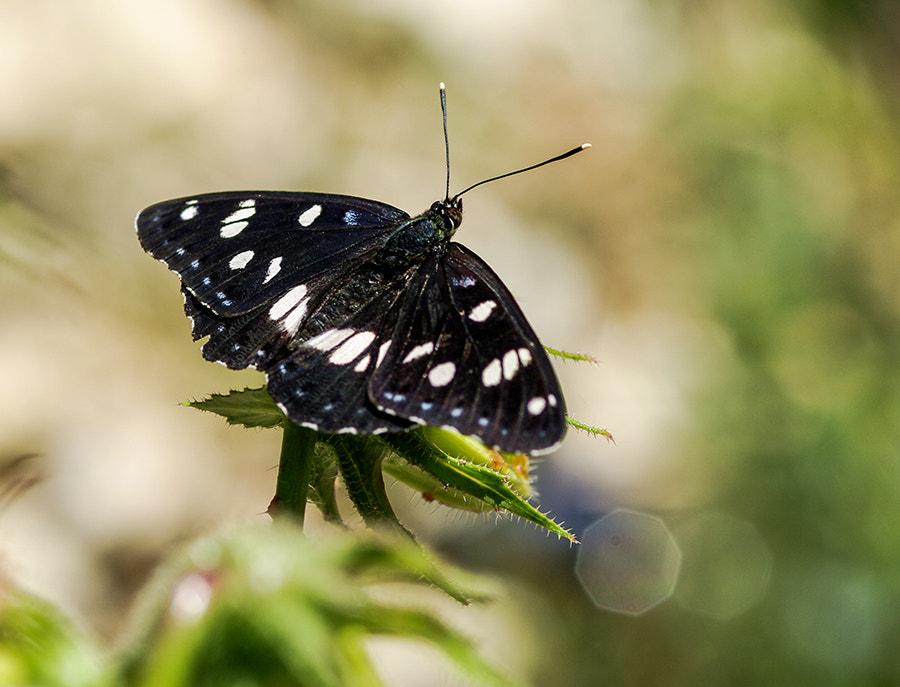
446, 138
570, 153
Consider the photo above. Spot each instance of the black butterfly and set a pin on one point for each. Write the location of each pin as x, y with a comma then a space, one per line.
364, 319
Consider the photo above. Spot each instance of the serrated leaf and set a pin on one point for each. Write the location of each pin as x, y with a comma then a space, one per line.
572, 355
249, 408
471, 477
430, 487
590, 429
512, 467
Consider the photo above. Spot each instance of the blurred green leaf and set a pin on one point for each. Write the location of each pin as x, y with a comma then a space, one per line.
40, 647
270, 606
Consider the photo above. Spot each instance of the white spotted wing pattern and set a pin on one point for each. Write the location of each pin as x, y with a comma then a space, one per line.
364, 319
471, 361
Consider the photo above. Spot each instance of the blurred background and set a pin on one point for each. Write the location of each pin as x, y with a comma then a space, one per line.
729, 250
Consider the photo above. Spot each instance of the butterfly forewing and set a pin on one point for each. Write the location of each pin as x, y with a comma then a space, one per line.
235, 251
263, 336
464, 356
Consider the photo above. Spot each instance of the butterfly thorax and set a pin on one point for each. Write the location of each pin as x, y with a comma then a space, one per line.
423, 234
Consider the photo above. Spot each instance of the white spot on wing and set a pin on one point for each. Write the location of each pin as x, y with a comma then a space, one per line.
551, 399
442, 375
273, 269
295, 317
382, 351
362, 364
328, 339
190, 210
510, 364
229, 231
309, 215
536, 405
463, 282
418, 352
236, 222
241, 260
287, 302
482, 311
246, 210
492, 372
524, 356
351, 218
350, 349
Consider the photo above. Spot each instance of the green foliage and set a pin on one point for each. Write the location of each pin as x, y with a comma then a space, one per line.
270, 606
261, 606
444, 465
39, 647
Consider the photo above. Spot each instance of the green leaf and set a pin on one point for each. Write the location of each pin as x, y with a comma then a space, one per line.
472, 471
514, 468
590, 429
269, 606
570, 355
359, 459
40, 647
249, 407
321, 482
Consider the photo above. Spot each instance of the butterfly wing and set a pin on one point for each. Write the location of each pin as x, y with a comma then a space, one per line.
235, 251
464, 356
255, 265
323, 382
283, 282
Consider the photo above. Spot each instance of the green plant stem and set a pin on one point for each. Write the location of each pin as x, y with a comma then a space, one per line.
294, 468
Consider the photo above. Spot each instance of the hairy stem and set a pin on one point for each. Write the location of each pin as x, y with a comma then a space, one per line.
294, 467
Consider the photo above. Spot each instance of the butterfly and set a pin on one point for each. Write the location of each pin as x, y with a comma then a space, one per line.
364, 319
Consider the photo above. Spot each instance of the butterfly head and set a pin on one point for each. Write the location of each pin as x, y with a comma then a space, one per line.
450, 213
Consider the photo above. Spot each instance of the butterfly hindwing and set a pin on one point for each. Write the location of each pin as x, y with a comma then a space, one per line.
464, 356
323, 382
235, 251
